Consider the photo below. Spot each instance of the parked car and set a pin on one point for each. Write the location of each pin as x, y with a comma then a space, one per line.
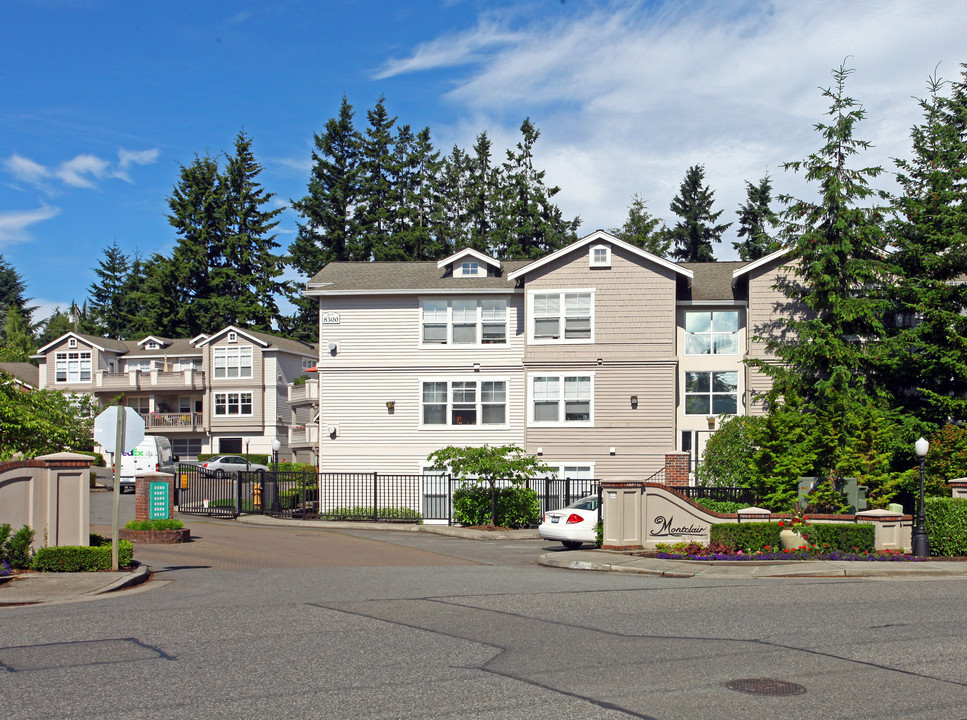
153, 454
573, 525
222, 465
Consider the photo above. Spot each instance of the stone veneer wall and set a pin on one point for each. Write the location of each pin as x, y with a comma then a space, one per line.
142, 493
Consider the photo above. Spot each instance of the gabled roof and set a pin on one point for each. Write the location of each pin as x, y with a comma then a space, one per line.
599, 236
264, 340
403, 277
712, 282
469, 252
163, 342
755, 265
100, 343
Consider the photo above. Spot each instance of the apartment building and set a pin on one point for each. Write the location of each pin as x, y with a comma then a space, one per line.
599, 358
219, 393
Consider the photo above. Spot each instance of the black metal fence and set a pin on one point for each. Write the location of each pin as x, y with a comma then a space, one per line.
726, 494
374, 496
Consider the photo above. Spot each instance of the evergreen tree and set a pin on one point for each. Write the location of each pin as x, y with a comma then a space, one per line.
328, 232
419, 193
163, 306
248, 281
828, 354
929, 237
379, 198
453, 214
18, 342
56, 325
481, 191
529, 224
756, 220
643, 230
694, 234
107, 295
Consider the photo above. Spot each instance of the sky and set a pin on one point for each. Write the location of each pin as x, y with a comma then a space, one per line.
103, 101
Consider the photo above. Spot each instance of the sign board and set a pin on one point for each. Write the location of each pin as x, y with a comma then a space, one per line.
106, 428
330, 318
158, 500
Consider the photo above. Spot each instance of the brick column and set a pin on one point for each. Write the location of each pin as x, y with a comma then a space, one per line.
676, 468
142, 493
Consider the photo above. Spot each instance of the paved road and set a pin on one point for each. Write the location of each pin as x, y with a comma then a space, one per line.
251, 622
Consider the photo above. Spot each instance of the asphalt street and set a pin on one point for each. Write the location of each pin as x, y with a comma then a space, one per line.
267, 622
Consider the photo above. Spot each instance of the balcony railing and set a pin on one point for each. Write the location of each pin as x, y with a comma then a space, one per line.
143, 379
307, 392
303, 435
177, 422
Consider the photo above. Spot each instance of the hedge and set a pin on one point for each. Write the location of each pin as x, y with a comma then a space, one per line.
747, 537
77, 558
947, 526
260, 458
516, 506
846, 537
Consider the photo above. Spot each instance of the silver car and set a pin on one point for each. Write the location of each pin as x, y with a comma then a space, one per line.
222, 465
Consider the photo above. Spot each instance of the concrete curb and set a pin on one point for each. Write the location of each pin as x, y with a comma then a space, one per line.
449, 530
52, 588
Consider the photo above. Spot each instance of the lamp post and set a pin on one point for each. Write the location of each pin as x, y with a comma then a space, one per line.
921, 545
276, 446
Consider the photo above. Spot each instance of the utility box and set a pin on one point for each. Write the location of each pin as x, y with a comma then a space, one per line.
855, 494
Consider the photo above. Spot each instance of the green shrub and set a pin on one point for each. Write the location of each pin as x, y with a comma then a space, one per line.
362, 512
297, 467
747, 537
76, 558
16, 551
516, 506
847, 537
291, 499
720, 506
98, 458
166, 524
947, 526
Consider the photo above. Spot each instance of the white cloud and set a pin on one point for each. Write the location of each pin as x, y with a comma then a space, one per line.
629, 95
79, 171
25, 169
82, 171
127, 158
14, 224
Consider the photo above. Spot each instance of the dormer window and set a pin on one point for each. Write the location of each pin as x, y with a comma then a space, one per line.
600, 256
470, 269
233, 337
72, 342
153, 346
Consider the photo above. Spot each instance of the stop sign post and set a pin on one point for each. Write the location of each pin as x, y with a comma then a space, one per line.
118, 430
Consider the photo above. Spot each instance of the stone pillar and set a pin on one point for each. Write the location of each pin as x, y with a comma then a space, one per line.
142, 493
676, 468
958, 487
893, 530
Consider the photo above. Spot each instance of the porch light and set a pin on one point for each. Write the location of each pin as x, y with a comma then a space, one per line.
390, 404
634, 402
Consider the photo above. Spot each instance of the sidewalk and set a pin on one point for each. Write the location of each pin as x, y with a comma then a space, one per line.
52, 588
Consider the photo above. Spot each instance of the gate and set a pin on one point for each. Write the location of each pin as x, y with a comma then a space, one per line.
198, 492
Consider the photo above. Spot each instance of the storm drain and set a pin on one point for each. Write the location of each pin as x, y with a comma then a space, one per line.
765, 686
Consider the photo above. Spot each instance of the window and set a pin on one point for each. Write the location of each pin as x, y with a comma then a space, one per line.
464, 322
470, 268
557, 399
711, 393
712, 333
600, 256
72, 367
233, 337
464, 402
233, 403
140, 404
152, 346
188, 364
141, 365
186, 448
308, 363
232, 362
569, 313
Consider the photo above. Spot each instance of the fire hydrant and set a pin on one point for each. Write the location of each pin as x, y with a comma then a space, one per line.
257, 495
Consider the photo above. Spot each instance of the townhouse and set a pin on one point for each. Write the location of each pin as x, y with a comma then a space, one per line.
599, 358
219, 393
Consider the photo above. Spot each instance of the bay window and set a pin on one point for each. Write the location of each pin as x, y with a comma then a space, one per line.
72, 367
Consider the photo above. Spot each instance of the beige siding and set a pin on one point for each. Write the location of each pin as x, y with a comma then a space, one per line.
640, 436
766, 305
221, 425
372, 438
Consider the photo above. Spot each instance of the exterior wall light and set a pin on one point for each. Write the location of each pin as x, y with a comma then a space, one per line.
390, 404
634, 402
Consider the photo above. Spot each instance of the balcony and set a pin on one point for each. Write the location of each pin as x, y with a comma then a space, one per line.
307, 392
304, 435
148, 379
173, 422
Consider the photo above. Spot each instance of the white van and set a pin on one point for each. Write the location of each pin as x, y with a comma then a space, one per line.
153, 454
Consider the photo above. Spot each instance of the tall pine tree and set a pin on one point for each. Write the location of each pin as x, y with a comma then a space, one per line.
108, 293
757, 222
379, 195
929, 237
695, 232
643, 230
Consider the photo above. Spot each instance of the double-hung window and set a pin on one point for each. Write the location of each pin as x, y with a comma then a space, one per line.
561, 399
72, 367
712, 333
232, 362
562, 316
711, 392
464, 322
233, 403
464, 402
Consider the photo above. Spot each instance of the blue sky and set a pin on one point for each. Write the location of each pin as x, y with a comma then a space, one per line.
103, 101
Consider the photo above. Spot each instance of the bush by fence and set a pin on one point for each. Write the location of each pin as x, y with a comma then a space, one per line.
77, 558
846, 537
747, 537
947, 526
516, 506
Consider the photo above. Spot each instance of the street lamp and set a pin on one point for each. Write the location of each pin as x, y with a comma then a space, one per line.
921, 545
276, 446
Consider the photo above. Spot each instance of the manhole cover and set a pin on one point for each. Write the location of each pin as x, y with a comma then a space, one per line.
765, 686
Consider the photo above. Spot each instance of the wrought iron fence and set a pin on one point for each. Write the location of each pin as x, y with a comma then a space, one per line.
727, 494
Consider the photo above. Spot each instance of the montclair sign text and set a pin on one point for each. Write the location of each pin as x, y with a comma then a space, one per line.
666, 528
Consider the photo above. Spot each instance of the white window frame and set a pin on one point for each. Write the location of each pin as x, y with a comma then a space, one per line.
450, 314
309, 363
221, 361
224, 399
710, 394
449, 402
711, 333
599, 262
76, 366
470, 268
562, 398
566, 303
